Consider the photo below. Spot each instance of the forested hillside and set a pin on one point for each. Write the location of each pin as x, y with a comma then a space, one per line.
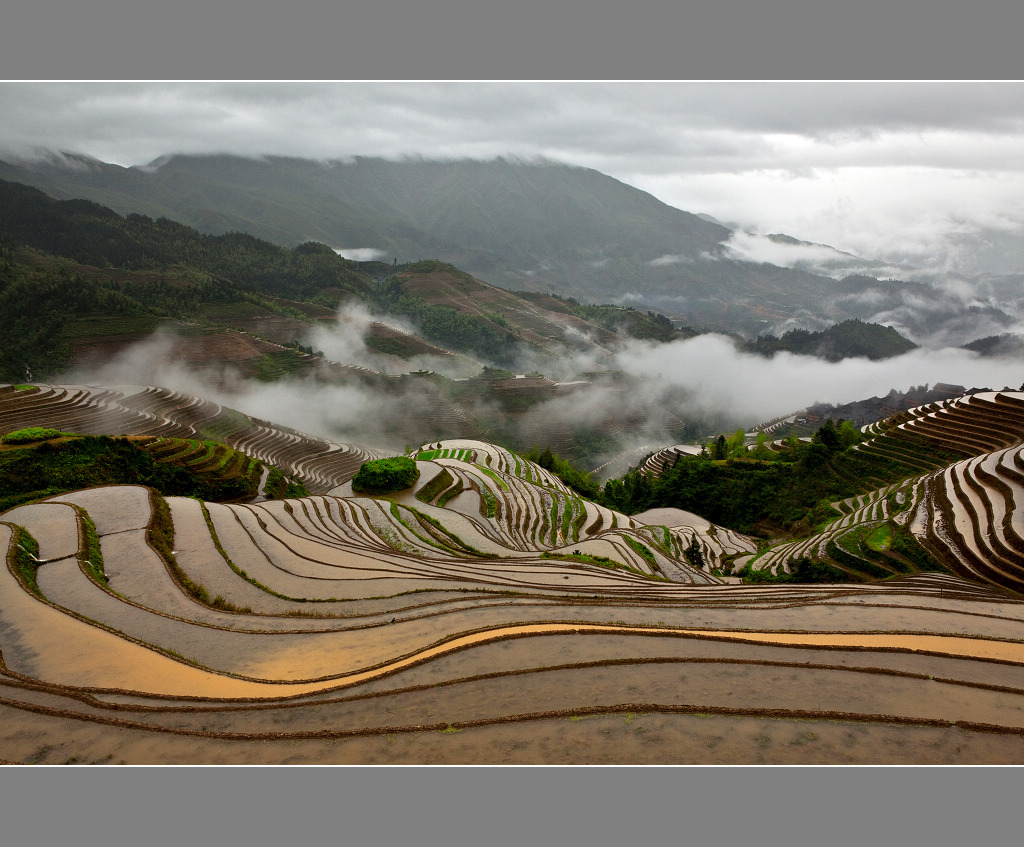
540, 226
87, 260
849, 339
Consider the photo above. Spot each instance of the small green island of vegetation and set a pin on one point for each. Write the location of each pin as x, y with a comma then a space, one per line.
382, 476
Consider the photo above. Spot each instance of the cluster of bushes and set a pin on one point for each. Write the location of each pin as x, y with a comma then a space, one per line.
382, 476
790, 491
31, 435
805, 570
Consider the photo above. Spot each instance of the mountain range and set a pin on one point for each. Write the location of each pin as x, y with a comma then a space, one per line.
536, 226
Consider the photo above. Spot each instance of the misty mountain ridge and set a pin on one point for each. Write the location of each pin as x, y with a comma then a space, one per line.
536, 226
849, 339
585, 380
127, 272
542, 227
1005, 345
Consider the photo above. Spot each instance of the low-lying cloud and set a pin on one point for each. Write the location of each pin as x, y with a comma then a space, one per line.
719, 380
360, 254
345, 341
704, 381
670, 259
814, 258
350, 413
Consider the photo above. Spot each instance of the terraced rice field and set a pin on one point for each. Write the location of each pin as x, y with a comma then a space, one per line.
967, 514
145, 410
487, 614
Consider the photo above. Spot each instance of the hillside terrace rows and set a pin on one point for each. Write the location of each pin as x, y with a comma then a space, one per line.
976, 517
524, 506
328, 619
328, 545
363, 639
975, 509
839, 542
968, 514
533, 508
441, 415
971, 517
208, 458
657, 463
675, 530
139, 410
973, 424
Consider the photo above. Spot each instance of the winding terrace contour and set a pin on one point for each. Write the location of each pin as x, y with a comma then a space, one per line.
478, 616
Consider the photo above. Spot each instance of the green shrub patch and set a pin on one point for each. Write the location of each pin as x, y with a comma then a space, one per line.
32, 434
24, 555
382, 476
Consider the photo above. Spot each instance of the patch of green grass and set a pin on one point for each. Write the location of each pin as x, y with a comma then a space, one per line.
93, 557
106, 326
427, 539
228, 422
490, 501
458, 453
436, 524
32, 434
24, 551
600, 561
880, 539
438, 484
495, 477
665, 542
567, 514
279, 488
391, 346
449, 494
272, 366
643, 550
233, 314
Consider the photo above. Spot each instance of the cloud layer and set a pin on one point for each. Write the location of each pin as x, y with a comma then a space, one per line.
704, 381
888, 171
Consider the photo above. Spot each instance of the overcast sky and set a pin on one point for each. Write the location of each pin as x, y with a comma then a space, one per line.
883, 170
